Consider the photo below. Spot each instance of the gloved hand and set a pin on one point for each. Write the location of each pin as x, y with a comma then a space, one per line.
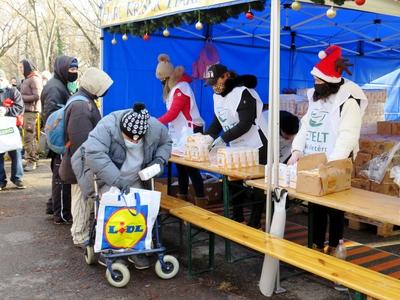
124, 186
209, 139
3, 111
296, 155
217, 142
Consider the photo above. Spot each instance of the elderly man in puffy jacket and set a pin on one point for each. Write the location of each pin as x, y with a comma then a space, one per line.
81, 117
122, 144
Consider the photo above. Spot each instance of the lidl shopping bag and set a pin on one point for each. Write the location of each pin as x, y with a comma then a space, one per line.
126, 221
10, 138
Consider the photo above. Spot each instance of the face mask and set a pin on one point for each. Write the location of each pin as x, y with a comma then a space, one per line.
72, 87
218, 88
14, 85
72, 76
131, 145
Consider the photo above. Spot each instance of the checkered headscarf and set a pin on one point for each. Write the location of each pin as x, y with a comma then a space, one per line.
135, 122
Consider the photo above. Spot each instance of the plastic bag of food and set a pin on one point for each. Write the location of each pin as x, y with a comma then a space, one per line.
376, 168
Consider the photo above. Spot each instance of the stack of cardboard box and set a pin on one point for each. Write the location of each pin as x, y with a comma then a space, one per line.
370, 147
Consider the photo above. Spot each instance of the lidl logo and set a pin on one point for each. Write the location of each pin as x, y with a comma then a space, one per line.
125, 228
317, 118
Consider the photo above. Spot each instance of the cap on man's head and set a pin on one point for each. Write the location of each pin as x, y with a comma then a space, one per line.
2, 74
74, 63
214, 72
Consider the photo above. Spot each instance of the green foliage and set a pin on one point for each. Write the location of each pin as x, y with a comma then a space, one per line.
210, 16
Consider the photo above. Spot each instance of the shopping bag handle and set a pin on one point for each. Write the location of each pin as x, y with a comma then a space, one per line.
138, 205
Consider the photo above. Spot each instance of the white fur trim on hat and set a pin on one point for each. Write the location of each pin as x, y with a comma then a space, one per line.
322, 54
319, 74
164, 68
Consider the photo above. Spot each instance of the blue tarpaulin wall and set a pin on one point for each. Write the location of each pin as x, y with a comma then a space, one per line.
132, 63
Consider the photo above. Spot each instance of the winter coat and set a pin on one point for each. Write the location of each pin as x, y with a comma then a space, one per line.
81, 117
55, 93
17, 106
31, 89
104, 152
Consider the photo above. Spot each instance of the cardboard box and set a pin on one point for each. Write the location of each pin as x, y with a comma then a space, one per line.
362, 158
316, 176
395, 128
361, 183
385, 128
385, 188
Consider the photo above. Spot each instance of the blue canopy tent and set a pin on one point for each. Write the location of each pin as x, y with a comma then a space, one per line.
369, 40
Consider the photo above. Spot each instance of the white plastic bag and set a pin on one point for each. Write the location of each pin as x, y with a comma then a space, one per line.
126, 221
10, 138
376, 168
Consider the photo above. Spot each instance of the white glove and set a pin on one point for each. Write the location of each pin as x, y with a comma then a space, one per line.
208, 139
3, 111
296, 155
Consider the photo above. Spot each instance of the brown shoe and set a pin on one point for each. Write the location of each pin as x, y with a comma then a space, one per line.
201, 201
182, 196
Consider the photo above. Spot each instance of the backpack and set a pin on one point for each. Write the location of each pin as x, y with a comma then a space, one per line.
55, 128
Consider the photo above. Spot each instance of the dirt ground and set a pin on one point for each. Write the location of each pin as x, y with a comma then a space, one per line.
39, 261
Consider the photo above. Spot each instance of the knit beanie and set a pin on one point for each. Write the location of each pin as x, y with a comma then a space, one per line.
164, 68
135, 123
74, 63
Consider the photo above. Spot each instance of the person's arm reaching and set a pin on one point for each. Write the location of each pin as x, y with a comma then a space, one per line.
178, 103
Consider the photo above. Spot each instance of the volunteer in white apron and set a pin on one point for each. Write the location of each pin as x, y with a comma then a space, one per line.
237, 114
331, 125
183, 118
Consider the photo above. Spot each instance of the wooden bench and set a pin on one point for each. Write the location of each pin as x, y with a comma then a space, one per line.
366, 281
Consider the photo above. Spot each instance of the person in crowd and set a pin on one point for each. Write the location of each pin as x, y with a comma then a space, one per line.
336, 106
46, 75
11, 105
80, 118
123, 143
237, 114
182, 112
55, 94
14, 83
288, 127
31, 88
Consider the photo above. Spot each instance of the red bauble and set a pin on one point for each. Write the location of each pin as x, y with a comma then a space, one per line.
249, 15
360, 2
146, 37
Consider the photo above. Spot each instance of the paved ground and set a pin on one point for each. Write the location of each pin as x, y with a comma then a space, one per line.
38, 261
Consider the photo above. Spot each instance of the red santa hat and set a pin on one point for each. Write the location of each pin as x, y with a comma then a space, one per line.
326, 68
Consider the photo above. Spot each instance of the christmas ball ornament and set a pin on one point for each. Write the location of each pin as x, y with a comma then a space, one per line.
199, 25
146, 37
114, 41
331, 13
166, 32
125, 37
360, 2
249, 15
296, 5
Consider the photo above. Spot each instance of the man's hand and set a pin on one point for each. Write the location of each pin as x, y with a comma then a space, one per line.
124, 186
296, 155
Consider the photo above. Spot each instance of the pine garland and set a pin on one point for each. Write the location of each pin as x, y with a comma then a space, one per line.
210, 16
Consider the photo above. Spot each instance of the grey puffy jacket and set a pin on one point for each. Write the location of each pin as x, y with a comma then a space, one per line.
104, 152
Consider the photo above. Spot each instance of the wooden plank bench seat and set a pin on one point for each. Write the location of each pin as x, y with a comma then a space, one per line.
366, 281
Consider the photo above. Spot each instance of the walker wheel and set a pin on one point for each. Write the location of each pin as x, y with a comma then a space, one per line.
170, 268
90, 257
120, 275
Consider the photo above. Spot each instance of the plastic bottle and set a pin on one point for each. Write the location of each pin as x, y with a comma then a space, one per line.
341, 251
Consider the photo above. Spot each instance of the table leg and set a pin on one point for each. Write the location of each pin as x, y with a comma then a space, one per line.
169, 178
225, 193
310, 224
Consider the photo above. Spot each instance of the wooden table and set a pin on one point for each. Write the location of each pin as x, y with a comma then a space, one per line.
228, 175
368, 204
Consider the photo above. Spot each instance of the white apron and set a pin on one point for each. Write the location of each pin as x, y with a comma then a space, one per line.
180, 128
225, 110
324, 118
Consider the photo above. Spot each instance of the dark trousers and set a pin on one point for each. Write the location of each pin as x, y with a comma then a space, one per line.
320, 223
60, 192
183, 179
